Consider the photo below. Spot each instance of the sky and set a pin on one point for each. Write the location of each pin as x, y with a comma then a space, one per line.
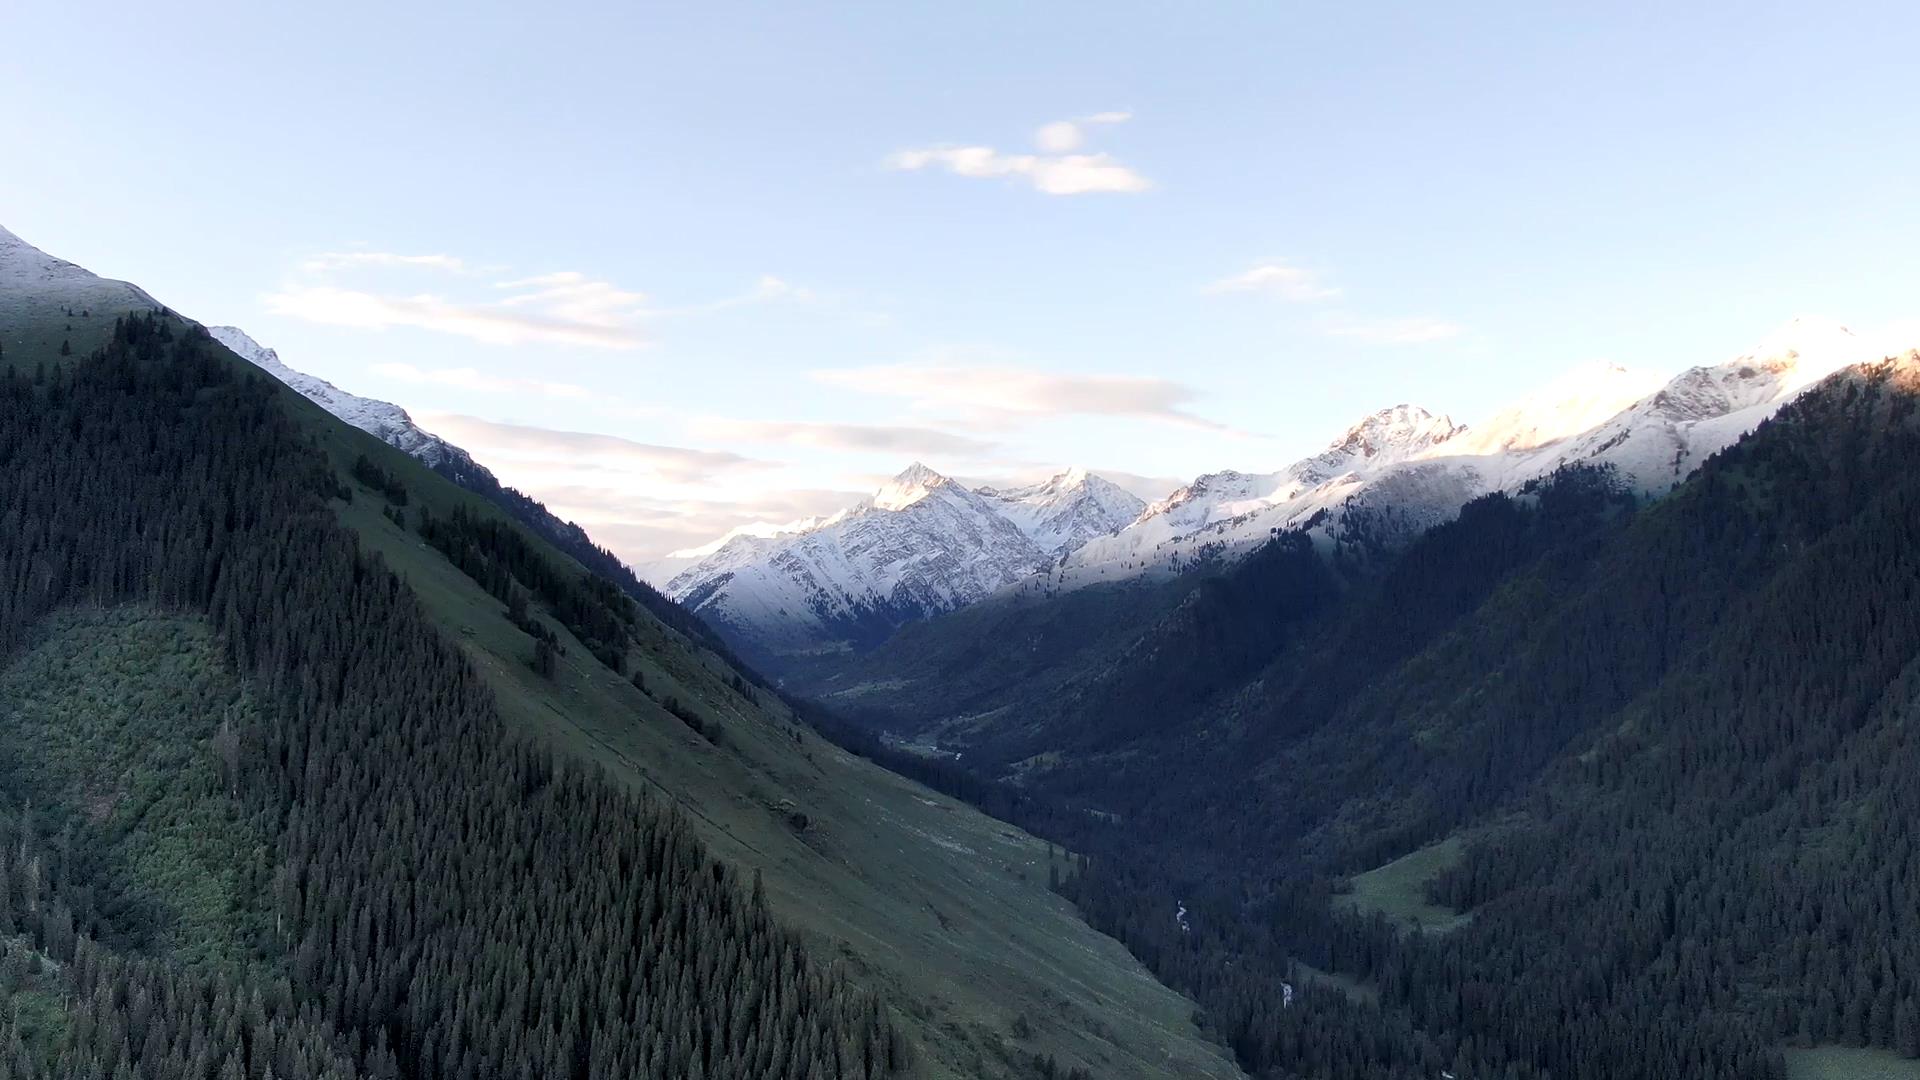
678, 268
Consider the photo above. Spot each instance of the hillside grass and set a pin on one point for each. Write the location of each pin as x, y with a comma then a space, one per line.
1398, 889
1849, 1063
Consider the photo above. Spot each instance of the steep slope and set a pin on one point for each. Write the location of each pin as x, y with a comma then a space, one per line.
378, 820
390, 424
945, 912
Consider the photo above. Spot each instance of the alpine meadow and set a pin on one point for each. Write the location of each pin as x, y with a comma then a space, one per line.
1026, 543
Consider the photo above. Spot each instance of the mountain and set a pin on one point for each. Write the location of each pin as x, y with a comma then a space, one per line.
1403, 470
1575, 755
1040, 667
922, 544
787, 594
1236, 509
383, 420
1064, 512
274, 694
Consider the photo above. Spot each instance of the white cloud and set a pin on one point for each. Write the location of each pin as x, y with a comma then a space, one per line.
1299, 285
1059, 137
1056, 170
642, 528
1415, 331
466, 378
567, 308
992, 392
341, 260
1068, 174
908, 440
583, 451
1292, 283
570, 312
769, 289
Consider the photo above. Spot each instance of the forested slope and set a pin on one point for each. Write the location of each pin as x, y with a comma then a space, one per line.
421, 861
943, 912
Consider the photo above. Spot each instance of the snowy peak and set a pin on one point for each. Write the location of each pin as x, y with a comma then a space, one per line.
922, 544
1576, 402
1400, 430
1063, 512
1405, 469
34, 283
1393, 434
1789, 360
914, 483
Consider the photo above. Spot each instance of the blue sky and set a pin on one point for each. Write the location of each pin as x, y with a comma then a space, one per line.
677, 267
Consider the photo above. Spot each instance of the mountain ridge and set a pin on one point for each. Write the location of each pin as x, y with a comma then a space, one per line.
1388, 477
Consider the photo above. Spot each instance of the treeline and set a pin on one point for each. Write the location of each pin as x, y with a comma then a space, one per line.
448, 902
574, 542
497, 556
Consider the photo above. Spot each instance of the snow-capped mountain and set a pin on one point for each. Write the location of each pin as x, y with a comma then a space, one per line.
1410, 470
921, 545
1224, 505
925, 544
383, 420
1066, 511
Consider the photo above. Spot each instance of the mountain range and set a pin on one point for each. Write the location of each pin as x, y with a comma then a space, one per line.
925, 544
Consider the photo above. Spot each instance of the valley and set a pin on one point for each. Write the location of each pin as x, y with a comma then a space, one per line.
594, 541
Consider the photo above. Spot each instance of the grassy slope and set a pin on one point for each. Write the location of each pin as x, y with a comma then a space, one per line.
1850, 1063
943, 909
1398, 889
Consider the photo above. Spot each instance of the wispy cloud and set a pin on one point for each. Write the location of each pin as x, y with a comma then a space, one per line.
641, 527
1293, 283
1056, 170
1299, 285
580, 312
1065, 136
899, 439
998, 392
1414, 331
768, 289
583, 451
326, 262
566, 308
466, 378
